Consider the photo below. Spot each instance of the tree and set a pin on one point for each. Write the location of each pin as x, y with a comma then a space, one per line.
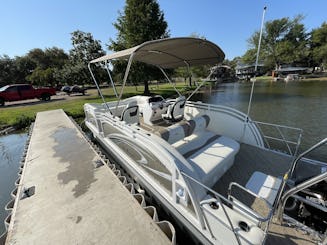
46, 63
7, 70
284, 41
85, 48
319, 45
24, 66
141, 21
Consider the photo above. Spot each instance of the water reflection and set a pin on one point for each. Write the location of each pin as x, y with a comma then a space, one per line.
11, 149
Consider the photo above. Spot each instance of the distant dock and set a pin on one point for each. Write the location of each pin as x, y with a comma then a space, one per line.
68, 195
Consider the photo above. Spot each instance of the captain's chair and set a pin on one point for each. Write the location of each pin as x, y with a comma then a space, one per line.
175, 111
130, 114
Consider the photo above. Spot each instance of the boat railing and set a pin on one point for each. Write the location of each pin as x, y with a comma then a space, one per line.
272, 136
226, 204
279, 137
237, 115
231, 197
303, 185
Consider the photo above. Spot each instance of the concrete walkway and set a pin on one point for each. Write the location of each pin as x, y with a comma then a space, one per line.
74, 202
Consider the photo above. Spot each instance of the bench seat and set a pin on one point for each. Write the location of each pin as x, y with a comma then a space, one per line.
265, 186
210, 154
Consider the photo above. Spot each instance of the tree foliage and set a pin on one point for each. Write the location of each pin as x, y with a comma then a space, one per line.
319, 45
284, 41
45, 64
85, 48
140, 21
52, 66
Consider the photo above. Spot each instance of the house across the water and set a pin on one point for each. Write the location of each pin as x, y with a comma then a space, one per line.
289, 73
245, 71
221, 73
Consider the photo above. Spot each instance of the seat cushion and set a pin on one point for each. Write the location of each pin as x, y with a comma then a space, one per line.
189, 145
183, 129
212, 157
198, 123
265, 186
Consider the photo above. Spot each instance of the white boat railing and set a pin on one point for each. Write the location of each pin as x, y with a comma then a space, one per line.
225, 204
279, 137
272, 136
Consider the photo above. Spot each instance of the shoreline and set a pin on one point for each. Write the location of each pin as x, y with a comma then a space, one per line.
20, 116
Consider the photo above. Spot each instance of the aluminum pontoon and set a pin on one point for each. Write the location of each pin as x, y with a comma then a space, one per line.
211, 167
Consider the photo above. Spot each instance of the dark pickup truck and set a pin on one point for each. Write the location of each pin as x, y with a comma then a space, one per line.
16, 92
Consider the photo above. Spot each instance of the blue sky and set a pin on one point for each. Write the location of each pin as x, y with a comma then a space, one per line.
25, 25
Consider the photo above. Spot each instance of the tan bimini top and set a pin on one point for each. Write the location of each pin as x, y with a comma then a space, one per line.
171, 53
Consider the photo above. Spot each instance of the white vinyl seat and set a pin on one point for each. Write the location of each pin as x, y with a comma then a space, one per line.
131, 113
175, 111
265, 186
212, 159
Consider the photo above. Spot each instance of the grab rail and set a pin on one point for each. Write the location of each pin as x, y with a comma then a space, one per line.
282, 136
240, 209
219, 198
316, 146
296, 189
314, 180
261, 219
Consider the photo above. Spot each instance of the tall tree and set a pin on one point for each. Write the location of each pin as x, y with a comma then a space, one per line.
141, 21
7, 70
46, 63
319, 45
85, 48
284, 41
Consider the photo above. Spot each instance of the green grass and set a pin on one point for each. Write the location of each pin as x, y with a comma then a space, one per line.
22, 116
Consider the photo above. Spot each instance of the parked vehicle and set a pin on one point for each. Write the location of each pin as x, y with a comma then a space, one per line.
65, 89
16, 92
73, 90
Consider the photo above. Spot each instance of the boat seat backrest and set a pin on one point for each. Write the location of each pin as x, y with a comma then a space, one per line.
183, 129
175, 111
130, 113
198, 124
119, 110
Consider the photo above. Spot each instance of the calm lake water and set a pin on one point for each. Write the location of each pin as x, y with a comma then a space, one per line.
296, 104
11, 150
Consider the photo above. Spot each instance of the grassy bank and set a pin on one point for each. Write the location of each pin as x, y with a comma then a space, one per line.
305, 79
21, 116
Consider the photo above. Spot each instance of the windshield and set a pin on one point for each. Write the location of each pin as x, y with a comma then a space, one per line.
155, 99
4, 88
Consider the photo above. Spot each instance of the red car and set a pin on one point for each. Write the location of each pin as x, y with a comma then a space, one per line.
16, 92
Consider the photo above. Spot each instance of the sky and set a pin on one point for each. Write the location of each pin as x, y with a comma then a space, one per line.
25, 25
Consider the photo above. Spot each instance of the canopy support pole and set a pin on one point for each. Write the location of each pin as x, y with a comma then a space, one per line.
256, 63
172, 84
246, 119
98, 88
196, 90
124, 81
112, 82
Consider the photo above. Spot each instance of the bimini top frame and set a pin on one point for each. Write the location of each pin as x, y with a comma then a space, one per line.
165, 54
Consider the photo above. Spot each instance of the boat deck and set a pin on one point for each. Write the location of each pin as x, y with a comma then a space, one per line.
251, 159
